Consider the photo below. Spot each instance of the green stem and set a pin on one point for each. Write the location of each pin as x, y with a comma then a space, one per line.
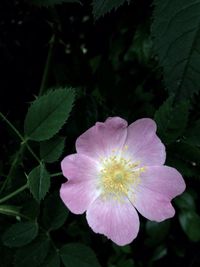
12, 211
24, 141
47, 66
12, 127
32, 152
16, 192
12, 168
56, 174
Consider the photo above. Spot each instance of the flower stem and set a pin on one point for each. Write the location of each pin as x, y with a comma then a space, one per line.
47, 66
12, 168
32, 152
16, 192
56, 174
24, 141
12, 127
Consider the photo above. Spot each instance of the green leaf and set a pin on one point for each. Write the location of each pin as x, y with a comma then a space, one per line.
31, 209
52, 149
186, 152
78, 255
171, 120
192, 135
125, 263
190, 222
39, 182
48, 3
140, 48
101, 7
185, 168
186, 201
157, 232
55, 212
52, 259
20, 234
33, 254
176, 34
48, 113
159, 253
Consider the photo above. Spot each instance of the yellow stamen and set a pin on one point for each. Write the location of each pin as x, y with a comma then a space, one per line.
119, 176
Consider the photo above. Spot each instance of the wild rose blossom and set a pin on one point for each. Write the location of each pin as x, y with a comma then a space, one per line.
116, 170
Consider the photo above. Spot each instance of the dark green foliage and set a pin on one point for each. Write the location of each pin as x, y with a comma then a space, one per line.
55, 212
186, 152
141, 47
159, 253
9, 210
101, 7
171, 120
190, 222
52, 149
186, 201
52, 259
157, 232
192, 135
33, 254
39, 182
20, 234
76, 255
48, 113
176, 33
49, 3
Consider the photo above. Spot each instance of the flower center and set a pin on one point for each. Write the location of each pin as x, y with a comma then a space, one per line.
119, 177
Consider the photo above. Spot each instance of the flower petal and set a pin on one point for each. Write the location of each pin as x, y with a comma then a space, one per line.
153, 206
79, 167
164, 180
159, 184
102, 138
81, 189
143, 143
77, 196
117, 221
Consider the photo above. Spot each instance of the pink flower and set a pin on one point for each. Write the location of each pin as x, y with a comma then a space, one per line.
116, 170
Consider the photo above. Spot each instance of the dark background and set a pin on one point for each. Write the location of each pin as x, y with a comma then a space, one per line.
111, 64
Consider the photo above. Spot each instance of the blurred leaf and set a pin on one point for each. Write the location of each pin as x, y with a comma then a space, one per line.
55, 212
52, 259
141, 47
190, 222
48, 113
10, 210
171, 120
33, 254
31, 208
125, 263
20, 234
176, 33
39, 182
159, 253
122, 249
186, 152
182, 166
192, 135
157, 232
185, 201
51, 2
78, 255
52, 149
74, 229
101, 7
